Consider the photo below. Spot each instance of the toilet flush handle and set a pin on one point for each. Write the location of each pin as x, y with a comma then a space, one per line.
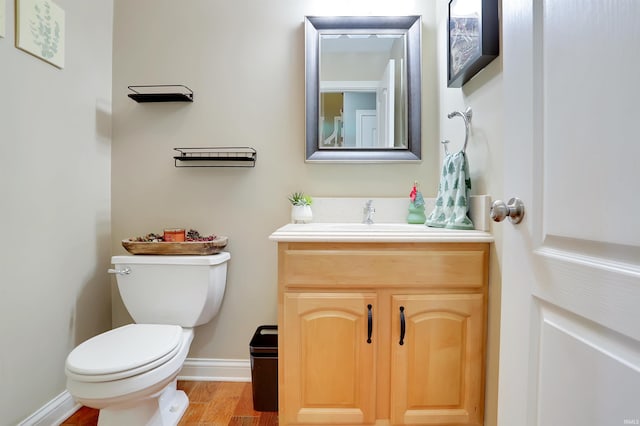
125, 271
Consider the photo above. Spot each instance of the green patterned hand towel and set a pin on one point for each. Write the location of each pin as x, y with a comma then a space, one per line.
452, 204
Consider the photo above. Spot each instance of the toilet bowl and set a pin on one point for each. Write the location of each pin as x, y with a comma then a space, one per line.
130, 373
134, 363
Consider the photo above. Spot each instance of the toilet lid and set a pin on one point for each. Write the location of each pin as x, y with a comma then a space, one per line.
124, 352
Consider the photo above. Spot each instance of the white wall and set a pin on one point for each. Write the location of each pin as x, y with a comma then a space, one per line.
245, 62
55, 144
483, 94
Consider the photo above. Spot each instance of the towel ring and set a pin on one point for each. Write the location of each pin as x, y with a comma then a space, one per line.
466, 116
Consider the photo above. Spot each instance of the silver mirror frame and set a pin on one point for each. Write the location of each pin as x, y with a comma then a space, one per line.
412, 25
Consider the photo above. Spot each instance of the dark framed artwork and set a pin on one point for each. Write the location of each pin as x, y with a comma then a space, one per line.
474, 38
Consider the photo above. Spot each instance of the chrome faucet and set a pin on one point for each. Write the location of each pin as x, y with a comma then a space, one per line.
368, 211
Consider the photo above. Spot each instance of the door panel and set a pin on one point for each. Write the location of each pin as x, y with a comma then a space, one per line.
589, 164
330, 361
436, 373
366, 130
577, 355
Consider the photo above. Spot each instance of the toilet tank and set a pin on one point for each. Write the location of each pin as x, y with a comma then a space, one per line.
179, 290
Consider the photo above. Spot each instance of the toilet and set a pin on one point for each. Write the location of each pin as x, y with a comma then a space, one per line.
130, 373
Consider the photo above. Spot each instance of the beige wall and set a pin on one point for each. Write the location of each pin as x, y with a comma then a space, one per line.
246, 66
55, 148
245, 62
484, 95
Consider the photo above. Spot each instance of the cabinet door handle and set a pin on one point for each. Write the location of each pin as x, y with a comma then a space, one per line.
402, 325
369, 323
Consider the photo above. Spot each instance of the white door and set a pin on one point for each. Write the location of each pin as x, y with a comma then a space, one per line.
366, 128
385, 104
570, 333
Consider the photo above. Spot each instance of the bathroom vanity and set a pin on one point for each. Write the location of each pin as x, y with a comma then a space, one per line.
381, 324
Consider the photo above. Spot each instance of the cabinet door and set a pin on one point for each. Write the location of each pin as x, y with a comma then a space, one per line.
329, 369
437, 367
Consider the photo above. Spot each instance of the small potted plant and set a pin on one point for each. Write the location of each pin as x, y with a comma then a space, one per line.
301, 207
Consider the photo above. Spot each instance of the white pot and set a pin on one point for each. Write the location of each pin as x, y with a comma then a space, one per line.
301, 214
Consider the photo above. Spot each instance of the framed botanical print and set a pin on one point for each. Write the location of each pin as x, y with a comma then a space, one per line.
40, 30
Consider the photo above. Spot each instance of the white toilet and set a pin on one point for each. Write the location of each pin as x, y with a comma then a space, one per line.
129, 373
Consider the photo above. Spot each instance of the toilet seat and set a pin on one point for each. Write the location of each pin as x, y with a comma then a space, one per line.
124, 352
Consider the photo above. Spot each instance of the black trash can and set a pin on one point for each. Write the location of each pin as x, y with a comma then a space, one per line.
264, 368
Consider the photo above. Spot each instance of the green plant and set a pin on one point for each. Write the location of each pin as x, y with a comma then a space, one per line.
300, 199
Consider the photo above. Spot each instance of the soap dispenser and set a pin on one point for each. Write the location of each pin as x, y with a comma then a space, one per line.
416, 206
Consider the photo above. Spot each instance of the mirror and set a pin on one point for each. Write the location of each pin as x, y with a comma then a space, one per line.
363, 84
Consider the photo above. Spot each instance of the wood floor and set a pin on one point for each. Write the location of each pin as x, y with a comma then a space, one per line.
210, 404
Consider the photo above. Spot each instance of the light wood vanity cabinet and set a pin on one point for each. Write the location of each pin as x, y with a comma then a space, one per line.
382, 333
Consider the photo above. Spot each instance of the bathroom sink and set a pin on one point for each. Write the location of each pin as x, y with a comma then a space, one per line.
382, 232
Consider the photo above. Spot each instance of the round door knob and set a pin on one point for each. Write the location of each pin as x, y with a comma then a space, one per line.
514, 210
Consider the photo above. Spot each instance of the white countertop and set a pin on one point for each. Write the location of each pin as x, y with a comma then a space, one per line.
377, 232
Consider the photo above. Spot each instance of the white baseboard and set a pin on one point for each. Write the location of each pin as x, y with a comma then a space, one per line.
216, 370
196, 369
53, 412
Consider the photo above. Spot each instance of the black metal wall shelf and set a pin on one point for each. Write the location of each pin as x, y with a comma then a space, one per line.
161, 93
221, 156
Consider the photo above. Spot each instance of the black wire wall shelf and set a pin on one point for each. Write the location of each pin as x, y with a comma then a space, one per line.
222, 156
161, 93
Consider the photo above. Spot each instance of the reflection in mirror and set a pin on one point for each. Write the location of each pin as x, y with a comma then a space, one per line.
363, 88
362, 91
